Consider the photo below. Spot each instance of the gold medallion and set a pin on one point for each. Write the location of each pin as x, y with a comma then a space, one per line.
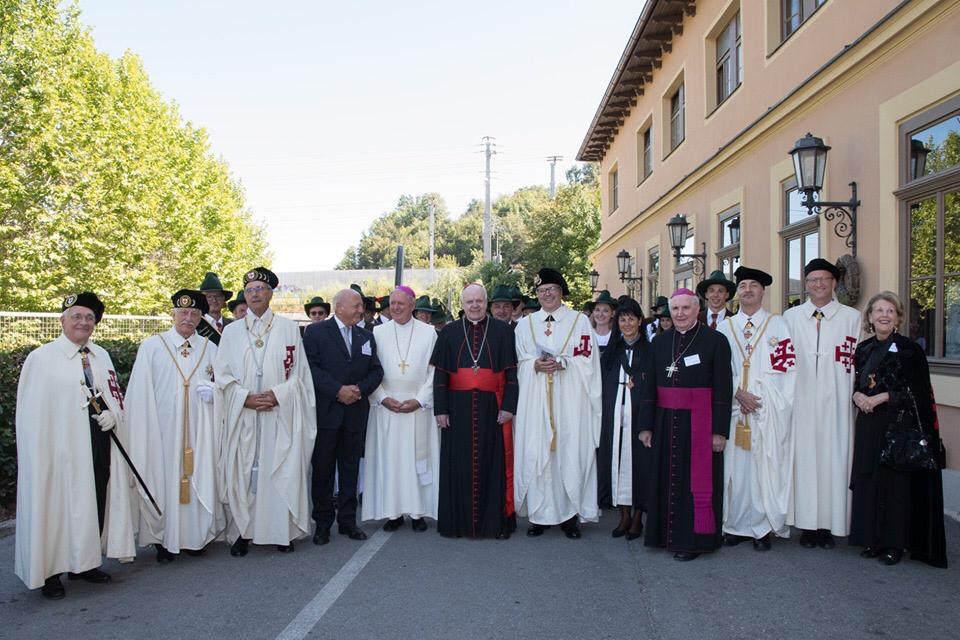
259, 343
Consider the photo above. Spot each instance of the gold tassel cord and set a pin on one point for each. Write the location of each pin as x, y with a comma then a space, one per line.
553, 425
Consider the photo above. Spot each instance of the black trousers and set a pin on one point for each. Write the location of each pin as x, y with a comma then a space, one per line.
336, 450
100, 447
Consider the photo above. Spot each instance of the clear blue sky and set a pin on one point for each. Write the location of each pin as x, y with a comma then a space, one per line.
327, 112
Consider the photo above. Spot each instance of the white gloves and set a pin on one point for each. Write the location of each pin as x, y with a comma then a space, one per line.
205, 391
106, 420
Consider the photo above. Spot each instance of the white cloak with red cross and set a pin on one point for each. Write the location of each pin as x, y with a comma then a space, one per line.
823, 423
758, 483
552, 486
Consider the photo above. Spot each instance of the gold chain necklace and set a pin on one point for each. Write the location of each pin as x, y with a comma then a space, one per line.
396, 335
259, 336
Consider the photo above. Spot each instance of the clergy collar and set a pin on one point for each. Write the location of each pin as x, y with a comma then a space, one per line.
474, 322
68, 347
683, 333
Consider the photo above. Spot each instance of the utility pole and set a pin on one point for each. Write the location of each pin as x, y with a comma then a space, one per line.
432, 239
487, 222
553, 160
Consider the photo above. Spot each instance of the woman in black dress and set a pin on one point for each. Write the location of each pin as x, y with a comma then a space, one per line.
622, 368
893, 510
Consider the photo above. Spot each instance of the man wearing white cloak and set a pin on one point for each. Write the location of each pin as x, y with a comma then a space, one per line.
174, 436
73, 491
403, 446
269, 422
758, 468
825, 335
557, 426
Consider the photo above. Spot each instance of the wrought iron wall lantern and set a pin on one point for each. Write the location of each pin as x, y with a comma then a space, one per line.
678, 228
625, 271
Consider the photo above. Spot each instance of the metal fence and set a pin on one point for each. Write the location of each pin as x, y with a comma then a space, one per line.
27, 327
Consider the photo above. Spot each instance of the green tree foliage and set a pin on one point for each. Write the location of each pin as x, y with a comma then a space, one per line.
103, 186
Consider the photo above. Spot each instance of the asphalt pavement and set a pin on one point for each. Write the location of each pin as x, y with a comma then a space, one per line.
419, 585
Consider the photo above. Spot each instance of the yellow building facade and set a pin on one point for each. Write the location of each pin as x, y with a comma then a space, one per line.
707, 101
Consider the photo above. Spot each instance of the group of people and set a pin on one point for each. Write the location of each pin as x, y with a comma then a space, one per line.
710, 429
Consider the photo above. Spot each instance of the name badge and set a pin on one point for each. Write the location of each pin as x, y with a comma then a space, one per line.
365, 349
893, 347
690, 361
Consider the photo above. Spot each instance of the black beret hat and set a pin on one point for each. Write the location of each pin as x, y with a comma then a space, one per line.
819, 264
86, 299
261, 274
190, 299
746, 273
551, 276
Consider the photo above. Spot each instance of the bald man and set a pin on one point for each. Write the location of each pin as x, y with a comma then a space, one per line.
346, 370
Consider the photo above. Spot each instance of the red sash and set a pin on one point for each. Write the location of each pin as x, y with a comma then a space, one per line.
699, 401
466, 379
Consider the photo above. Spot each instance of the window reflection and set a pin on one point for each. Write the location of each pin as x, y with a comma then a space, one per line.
935, 148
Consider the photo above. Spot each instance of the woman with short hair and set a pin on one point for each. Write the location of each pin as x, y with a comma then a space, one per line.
896, 507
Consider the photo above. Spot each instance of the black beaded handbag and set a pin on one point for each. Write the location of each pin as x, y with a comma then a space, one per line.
907, 447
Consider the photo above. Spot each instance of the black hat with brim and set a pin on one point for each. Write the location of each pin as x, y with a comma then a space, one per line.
661, 302
717, 277
261, 274
86, 299
239, 300
211, 283
531, 303
746, 273
516, 296
551, 276
502, 293
606, 298
316, 301
819, 264
190, 299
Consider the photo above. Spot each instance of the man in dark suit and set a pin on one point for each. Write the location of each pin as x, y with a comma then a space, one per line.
346, 370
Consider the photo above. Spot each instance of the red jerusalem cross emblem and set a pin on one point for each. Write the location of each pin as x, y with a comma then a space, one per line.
114, 385
288, 361
783, 357
583, 349
844, 353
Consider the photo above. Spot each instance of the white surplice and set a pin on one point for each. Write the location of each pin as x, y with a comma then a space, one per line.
621, 467
553, 486
823, 425
758, 482
397, 480
58, 527
155, 415
278, 510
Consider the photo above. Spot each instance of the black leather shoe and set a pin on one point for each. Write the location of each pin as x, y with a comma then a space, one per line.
93, 575
194, 552
418, 524
393, 525
572, 532
685, 556
633, 535
239, 548
503, 535
762, 544
826, 540
731, 540
871, 551
536, 530
53, 589
321, 536
163, 556
354, 533
809, 539
618, 532
285, 548
892, 557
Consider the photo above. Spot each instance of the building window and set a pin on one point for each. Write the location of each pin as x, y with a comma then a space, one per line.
653, 275
793, 13
647, 152
614, 190
644, 152
801, 242
676, 118
728, 253
729, 59
931, 200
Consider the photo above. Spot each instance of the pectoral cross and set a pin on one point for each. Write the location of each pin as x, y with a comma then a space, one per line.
403, 366
672, 369
476, 368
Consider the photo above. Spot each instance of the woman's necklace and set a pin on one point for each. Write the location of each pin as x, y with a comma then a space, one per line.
259, 336
673, 365
476, 367
396, 335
